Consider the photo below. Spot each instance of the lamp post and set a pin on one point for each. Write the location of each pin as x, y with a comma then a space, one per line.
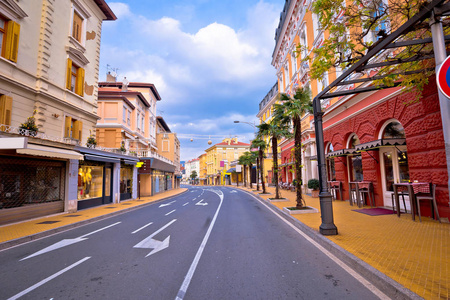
251, 124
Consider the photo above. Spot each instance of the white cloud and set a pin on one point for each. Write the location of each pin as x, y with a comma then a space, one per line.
121, 10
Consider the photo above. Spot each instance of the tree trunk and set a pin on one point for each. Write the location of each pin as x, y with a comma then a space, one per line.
250, 167
298, 161
275, 166
261, 170
257, 173
245, 179
237, 179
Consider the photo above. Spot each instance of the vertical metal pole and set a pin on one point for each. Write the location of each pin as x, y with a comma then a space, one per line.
440, 54
326, 202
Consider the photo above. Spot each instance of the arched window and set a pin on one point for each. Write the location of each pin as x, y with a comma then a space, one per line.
393, 130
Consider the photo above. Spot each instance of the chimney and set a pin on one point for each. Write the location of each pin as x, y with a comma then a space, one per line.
110, 77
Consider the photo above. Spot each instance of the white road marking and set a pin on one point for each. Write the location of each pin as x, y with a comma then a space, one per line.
170, 212
166, 204
190, 273
67, 242
201, 203
186, 204
343, 265
24, 292
137, 230
157, 246
233, 191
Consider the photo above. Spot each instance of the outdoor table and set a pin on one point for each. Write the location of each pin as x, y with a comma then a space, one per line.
413, 189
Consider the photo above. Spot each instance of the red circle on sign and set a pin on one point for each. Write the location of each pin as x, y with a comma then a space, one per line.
443, 77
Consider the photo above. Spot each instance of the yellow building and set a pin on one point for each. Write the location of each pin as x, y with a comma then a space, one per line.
203, 169
219, 158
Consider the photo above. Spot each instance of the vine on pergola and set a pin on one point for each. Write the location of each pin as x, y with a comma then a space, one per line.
350, 28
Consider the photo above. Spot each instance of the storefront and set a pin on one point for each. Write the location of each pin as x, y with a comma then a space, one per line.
126, 180
156, 176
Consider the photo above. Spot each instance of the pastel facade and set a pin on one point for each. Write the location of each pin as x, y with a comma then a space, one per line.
49, 69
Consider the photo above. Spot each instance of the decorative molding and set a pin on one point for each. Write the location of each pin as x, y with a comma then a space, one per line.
12, 10
80, 9
45, 40
77, 56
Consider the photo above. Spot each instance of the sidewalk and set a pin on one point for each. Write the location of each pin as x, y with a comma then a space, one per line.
17, 233
415, 254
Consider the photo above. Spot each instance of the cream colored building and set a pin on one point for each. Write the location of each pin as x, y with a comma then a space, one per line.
49, 69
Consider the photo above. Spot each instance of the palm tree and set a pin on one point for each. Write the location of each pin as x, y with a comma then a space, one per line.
277, 128
243, 161
261, 145
251, 159
295, 108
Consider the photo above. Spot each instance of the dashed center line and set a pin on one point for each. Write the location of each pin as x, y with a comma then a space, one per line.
186, 204
170, 212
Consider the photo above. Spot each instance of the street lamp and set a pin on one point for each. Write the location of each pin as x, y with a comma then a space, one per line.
251, 124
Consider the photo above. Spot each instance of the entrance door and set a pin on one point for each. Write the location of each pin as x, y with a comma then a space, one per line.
394, 169
108, 185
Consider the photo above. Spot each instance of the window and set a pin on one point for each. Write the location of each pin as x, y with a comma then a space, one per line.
75, 78
124, 115
9, 39
73, 128
142, 122
5, 110
165, 145
129, 117
77, 26
294, 63
138, 121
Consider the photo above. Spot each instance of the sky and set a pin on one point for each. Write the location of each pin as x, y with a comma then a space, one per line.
210, 61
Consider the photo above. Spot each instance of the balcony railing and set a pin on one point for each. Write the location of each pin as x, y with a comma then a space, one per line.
36, 134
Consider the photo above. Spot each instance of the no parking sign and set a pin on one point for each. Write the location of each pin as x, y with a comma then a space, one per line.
443, 77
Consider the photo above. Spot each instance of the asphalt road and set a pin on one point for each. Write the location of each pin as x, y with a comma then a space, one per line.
208, 243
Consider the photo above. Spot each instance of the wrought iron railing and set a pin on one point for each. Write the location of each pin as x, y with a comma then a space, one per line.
37, 134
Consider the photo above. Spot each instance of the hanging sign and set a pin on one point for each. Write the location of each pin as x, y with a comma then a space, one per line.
443, 77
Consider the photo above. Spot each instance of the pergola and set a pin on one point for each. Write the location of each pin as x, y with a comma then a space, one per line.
432, 13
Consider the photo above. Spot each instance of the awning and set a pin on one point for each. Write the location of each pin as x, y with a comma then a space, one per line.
38, 150
160, 165
380, 143
101, 158
342, 152
231, 170
130, 162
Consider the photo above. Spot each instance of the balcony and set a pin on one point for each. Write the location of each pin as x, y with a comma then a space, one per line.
39, 135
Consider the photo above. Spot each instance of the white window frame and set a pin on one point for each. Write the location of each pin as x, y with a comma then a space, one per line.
84, 14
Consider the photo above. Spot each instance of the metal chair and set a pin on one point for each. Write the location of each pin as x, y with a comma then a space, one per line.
370, 194
402, 194
353, 193
432, 198
334, 189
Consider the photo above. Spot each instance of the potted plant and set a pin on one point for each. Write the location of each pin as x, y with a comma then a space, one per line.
313, 184
29, 127
91, 141
122, 147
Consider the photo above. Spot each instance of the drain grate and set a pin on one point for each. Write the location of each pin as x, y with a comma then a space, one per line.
48, 222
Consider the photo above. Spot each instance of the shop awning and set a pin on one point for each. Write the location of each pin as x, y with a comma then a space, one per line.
342, 152
130, 162
160, 165
39, 150
380, 143
101, 158
231, 170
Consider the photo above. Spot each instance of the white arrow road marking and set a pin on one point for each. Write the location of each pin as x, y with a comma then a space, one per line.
157, 246
33, 287
137, 230
201, 203
170, 212
233, 191
167, 204
186, 204
67, 242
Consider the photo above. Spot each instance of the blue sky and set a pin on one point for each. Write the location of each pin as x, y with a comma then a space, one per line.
209, 59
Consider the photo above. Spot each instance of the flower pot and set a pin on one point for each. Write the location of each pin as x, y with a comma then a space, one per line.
315, 193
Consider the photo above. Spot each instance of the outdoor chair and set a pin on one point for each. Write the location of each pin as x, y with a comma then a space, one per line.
402, 194
367, 193
432, 198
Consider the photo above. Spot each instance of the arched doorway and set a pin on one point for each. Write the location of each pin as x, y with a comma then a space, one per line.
393, 159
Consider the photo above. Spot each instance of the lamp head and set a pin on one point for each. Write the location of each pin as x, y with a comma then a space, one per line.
236, 121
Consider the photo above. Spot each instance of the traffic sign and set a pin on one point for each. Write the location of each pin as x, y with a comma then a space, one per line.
443, 77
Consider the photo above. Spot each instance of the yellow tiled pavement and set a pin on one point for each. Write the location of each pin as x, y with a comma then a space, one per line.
18, 230
415, 254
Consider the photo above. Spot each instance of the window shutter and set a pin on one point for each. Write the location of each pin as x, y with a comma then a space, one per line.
69, 74
77, 128
5, 110
79, 89
12, 40
67, 126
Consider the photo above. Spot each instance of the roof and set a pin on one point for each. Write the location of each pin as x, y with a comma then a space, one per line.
110, 16
163, 123
132, 84
232, 144
105, 92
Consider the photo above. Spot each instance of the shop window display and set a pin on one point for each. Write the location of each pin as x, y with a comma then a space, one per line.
90, 182
126, 179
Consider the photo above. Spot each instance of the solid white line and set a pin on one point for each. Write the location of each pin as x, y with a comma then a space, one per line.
137, 230
48, 279
186, 204
170, 212
87, 234
190, 273
343, 265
